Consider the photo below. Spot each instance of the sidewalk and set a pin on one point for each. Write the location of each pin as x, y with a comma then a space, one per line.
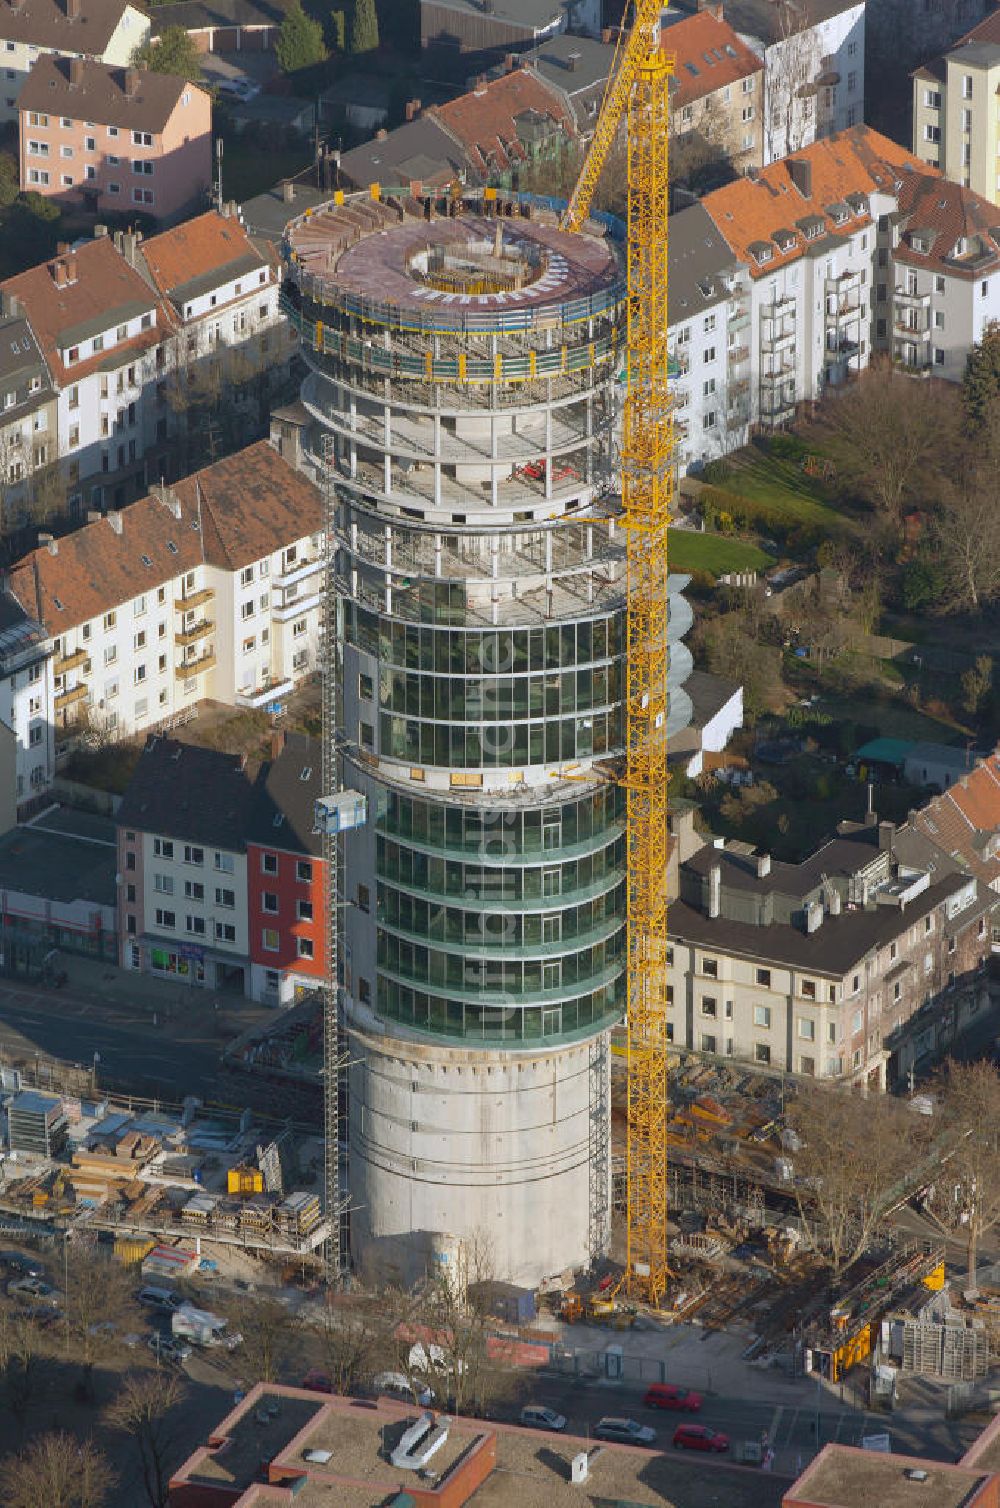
104, 990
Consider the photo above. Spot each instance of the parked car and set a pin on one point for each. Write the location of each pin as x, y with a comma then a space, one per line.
241, 89
626, 1431
317, 1381
536, 1417
396, 1385
19, 1264
35, 1291
663, 1395
166, 1348
699, 1437
159, 1298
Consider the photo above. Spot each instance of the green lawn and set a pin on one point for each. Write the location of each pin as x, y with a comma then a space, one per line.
784, 487
715, 553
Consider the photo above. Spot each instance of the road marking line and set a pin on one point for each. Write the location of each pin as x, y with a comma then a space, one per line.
772, 1433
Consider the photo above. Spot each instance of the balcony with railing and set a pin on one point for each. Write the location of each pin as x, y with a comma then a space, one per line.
191, 635
71, 697
188, 668
294, 571
70, 662
194, 599
262, 696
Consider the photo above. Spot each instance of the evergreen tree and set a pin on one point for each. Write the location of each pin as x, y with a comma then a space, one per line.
981, 383
171, 52
300, 40
364, 27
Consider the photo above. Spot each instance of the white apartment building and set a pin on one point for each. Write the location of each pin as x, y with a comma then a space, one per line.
209, 589
797, 305
709, 341
127, 328
104, 335
938, 285
105, 31
183, 866
27, 701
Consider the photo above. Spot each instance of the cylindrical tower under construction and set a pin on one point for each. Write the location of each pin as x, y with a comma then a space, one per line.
463, 361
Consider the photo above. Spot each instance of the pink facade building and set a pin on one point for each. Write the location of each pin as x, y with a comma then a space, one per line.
115, 140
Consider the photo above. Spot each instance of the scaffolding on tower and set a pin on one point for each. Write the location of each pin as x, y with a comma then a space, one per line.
637, 96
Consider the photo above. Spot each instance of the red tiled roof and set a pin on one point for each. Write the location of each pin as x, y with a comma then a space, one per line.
228, 515
950, 213
707, 55
205, 244
956, 820
750, 211
484, 120
105, 283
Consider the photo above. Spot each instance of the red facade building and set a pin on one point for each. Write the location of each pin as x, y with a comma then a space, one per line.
286, 920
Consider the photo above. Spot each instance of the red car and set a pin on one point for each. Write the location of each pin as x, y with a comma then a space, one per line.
663, 1395
317, 1381
698, 1437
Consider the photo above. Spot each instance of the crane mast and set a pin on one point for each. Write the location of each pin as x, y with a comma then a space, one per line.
637, 94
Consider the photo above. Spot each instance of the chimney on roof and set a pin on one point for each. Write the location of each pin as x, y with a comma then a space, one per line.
71, 273
73, 11
58, 270
10, 304
610, 35
714, 8
381, 134
715, 890
94, 515
413, 109
510, 62
886, 833
62, 247
131, 82
114, 518
288, 193
572, 61
76, 72
801, 174
49, 541
763, 865
100, 231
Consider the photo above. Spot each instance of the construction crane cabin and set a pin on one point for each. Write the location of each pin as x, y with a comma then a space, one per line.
637, 95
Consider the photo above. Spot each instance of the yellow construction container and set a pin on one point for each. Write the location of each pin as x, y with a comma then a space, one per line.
131, 1250
245, 1180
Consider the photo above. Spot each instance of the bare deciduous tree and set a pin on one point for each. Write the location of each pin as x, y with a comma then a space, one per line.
888, 431
353, 1343
856, 1151
58, 1471
145, 1409
965, 531
792, 66
99, 1307
268, 1339
967, 1189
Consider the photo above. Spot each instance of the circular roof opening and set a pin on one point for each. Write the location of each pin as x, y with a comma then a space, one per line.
478, 266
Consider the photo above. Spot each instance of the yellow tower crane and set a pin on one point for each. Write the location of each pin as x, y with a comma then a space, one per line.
638, 94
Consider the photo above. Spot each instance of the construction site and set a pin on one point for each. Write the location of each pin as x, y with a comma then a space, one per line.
176, 1178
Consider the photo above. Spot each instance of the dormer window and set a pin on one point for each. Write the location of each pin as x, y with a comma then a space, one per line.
961, 247
919, 243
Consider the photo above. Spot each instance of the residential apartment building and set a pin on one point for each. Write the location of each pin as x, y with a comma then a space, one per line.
27, 697
461, 37
182, 860
814, 64
210, 589
804, 230
508, 123
578, 67
824, 968
709, 340
105, 337
937, 285
220, 288
115, 140
287, 923
101, 31
28, 420
717, 91
955, 121
959, 830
